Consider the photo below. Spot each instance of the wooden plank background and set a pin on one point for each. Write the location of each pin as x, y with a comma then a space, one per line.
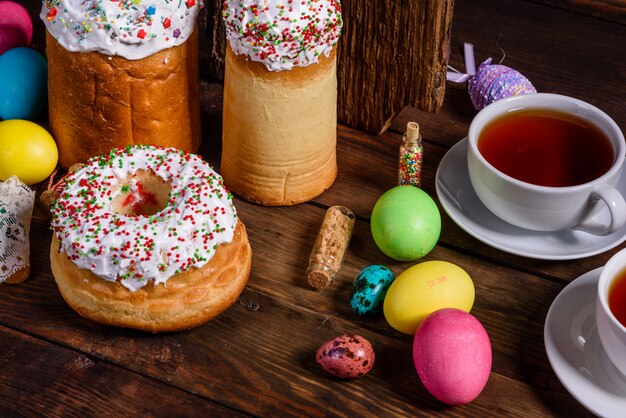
257, 359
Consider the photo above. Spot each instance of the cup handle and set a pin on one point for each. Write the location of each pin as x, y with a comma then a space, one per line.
614, 201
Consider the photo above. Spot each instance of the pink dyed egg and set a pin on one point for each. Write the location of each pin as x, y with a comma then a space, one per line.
16, 26
452, 355
346, 356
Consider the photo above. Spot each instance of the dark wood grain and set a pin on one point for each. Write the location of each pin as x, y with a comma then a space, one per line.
380, 71
555, 61
292, 319
614, 10
266, 353
61, 382
565, 52
258, 357
216, 34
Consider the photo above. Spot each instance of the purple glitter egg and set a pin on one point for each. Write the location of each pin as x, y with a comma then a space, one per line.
495, 82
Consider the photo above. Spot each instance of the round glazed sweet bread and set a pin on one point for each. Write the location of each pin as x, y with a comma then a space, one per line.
190, 298
148, 238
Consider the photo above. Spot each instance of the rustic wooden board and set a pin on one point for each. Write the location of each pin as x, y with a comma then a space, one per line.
213, 25
614, 10
590, 74
278, 340
279, 322
392, 53
70, 383
257, 358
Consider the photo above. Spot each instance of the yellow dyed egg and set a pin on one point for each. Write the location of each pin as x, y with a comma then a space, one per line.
423, 289
27, 151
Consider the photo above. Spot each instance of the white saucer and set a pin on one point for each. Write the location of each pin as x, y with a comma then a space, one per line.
575, 353
461, 203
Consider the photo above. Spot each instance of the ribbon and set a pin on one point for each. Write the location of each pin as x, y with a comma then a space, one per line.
470, 66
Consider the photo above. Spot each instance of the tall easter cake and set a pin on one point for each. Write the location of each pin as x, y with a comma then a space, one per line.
280, 99
122, 72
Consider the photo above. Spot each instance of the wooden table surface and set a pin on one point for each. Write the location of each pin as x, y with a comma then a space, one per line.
257, 358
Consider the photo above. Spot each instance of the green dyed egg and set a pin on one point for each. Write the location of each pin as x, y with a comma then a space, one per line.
405, 223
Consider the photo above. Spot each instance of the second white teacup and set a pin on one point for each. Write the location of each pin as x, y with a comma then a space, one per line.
549, 208
612, 332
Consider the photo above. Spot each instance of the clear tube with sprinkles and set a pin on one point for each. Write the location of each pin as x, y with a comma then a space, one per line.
330, 246
411, 157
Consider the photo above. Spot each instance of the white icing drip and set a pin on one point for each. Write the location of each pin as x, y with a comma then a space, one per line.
133, 29
199, 216
282, 34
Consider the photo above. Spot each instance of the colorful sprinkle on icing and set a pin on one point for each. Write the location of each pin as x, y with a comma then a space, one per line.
135, 249
282, 34
133, 29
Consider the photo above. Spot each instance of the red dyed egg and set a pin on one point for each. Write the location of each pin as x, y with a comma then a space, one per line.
452, 355
346, 356
16, 26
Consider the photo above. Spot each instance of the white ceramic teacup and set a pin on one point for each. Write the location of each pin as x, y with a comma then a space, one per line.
544, 208
612, 333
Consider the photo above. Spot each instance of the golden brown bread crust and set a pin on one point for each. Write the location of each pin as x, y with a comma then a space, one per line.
99, 102
279, 130
190, 298
19, 276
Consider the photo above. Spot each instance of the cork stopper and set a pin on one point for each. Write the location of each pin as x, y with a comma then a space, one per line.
330, 246
320, 276
412, 131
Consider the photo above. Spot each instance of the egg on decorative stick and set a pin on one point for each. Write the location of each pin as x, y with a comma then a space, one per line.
491, 82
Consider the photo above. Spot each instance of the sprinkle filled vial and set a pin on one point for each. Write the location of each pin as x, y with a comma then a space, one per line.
411, 155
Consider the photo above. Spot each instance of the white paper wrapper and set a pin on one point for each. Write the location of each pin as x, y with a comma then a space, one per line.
16, 209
